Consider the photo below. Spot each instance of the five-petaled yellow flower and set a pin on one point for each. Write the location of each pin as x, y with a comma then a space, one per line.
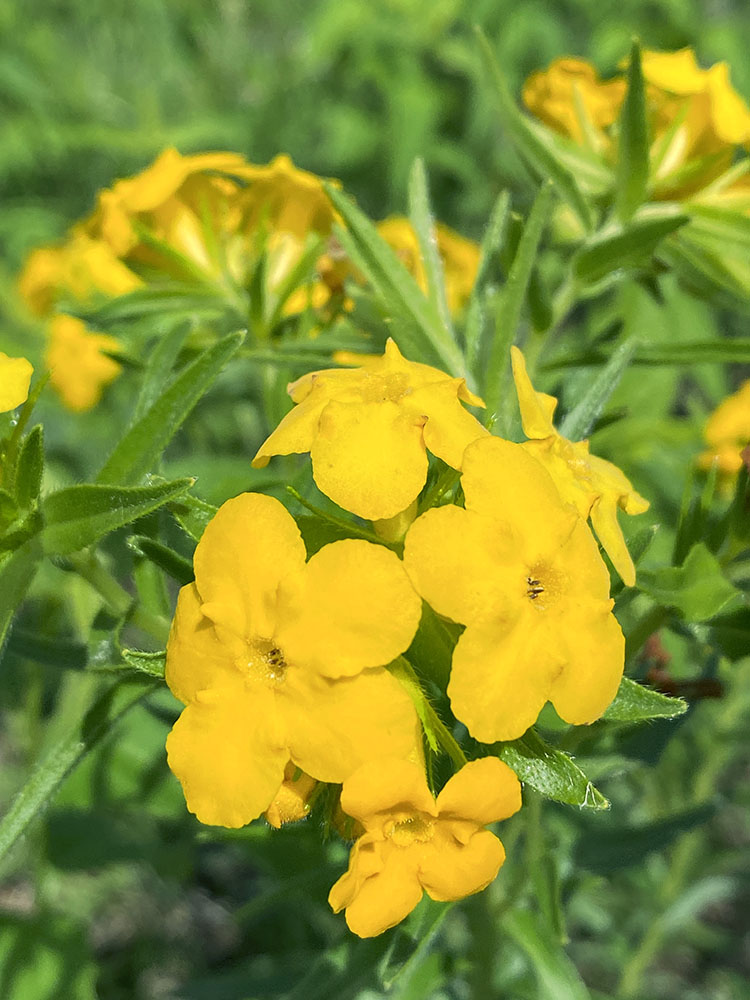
521, 570
368, 430
727, 432
280, 660
79, 367
595, 487
413, 843
15, 378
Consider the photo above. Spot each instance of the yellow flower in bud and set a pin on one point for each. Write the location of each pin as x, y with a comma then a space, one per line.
368, 430
79, 368
727, 432
596, 488
570, 97
460, 258
520, 569
280, 660
15, 378
413, 843
292, 801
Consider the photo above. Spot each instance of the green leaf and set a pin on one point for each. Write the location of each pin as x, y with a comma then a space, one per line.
56, 765
698, 589
489, 251
414, 939
635, 703
512, 298
422, 332
159, 367
729, 350
178, 567
551, 772
578, 423
556, 974
17, 570
540, 156
28, 478
152, 664
189, 299
630, 245
633, 143
423, 222
78, 516
193, 515
145, 441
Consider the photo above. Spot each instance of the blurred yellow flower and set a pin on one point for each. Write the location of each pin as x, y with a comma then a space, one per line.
280, 660
79, 367
727, 432
596, 488
460, 258
15, 378
368, 430
292, 801
413, 843
520, 569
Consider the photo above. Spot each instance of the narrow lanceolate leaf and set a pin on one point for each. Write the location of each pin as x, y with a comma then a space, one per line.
633, 145
734, 349
540, 156
556, 975
698, 589
423, 333
80, 515
423, 222
159, 366
489, 251
140, 448
193, 515
178, 567
551, 772
513, 296
52, 770
635, 703
578, 423
17, 570
624, 247
28, 477
152, 664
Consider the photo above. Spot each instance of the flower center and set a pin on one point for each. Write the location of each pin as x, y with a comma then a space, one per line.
385, 387
265, 661
410, 828
544, 586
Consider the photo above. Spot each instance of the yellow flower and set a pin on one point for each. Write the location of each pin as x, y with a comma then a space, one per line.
727, 432
413, 843
520, 569
368, 430
292, 801
279, 660
570, 97
460, 258
596, 488
79, 368
15, 378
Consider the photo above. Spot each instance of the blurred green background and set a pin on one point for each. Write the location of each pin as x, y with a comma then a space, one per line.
119, 894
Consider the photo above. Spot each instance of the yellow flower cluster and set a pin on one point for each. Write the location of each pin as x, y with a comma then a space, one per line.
696, 118
727, 433
283, 663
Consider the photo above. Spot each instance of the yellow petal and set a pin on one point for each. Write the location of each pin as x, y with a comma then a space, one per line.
365, 860
448, 870
386, 898
15, 378
484, 791
336, 726
227, 750
369, 458
537, 408
608, 531
245, 551
79, 368
196, 659
457, 561
678, 72
503, 675
296, 432
449, 427
355, 608
385, 785
291, 802
595, 650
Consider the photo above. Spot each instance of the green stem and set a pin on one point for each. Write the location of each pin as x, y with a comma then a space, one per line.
338, 521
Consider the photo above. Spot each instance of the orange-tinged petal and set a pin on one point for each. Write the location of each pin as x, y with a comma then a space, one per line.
336, 726
354, 608
537, 408
595, 652
458, 560
15, 378
386, 898
245, 551
448, 870
196, 659
449, 427
227, 750
608, 531
502, 676
369, 458
484, 790
386, 784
